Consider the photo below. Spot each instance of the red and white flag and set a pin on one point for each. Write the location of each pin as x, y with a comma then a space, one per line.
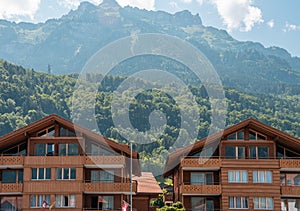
125, 206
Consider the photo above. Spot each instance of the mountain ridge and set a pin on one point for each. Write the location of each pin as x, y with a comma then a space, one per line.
68, 42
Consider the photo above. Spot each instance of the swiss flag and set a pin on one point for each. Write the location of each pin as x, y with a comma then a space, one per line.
125, 206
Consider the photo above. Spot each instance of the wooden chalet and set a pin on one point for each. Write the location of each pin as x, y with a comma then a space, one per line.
253, 167
47, 165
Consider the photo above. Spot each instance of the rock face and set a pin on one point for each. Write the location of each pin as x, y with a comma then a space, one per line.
67, 43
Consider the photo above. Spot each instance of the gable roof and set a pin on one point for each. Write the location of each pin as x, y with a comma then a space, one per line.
147, 184
24, 132
278, 136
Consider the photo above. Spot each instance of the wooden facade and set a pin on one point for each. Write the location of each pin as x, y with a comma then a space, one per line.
253, 167
50, 164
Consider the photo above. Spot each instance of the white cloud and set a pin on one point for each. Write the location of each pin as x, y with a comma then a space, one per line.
271, 23
238, 14
142, 4
187, 1
200, 2
12, 9
290, 27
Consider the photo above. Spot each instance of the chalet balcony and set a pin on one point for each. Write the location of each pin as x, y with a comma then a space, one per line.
11, 161
194, 163
6, 188
288, 190
109, 187
290, 164
58, 186
208, 190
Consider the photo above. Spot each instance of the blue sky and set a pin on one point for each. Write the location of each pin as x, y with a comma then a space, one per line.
271, 22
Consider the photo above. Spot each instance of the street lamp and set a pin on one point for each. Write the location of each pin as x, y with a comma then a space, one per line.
131, 142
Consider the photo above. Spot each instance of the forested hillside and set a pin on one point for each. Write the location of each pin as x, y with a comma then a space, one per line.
26, 95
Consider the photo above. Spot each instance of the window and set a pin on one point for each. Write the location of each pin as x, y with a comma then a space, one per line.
201, 203
9, 176
256, 136
237, 136
293, 204
238, 202
257, 152
65, 201
11, 203
68, 149
95, 149
47, 132
44, 149
94, 176
109, 205
106, 176
263, 203
237, 176
262, 176
105, 152
283, 205
235, 152
198, 178
40, 173
63, 132
290, 179
66, 173
38, 200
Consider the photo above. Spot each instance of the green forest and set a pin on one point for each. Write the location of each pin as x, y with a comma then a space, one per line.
27, 95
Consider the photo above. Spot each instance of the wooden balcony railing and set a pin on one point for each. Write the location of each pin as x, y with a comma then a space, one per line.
104, 160
11, 187
289, 163
96, 187
290, 190
57, 186
11, 160
201, 162
201, 189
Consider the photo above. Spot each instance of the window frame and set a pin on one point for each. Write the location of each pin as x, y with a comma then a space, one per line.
260, 202
61, 175
238, 174
38, 173
205, 178
259, 176
243, 200
61, 200
237, 152
44, 197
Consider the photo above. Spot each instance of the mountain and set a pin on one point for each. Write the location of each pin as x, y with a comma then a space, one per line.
65, 45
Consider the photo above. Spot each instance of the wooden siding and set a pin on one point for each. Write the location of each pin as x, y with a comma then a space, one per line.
60, 187
102, 187
53, 161
201, 189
